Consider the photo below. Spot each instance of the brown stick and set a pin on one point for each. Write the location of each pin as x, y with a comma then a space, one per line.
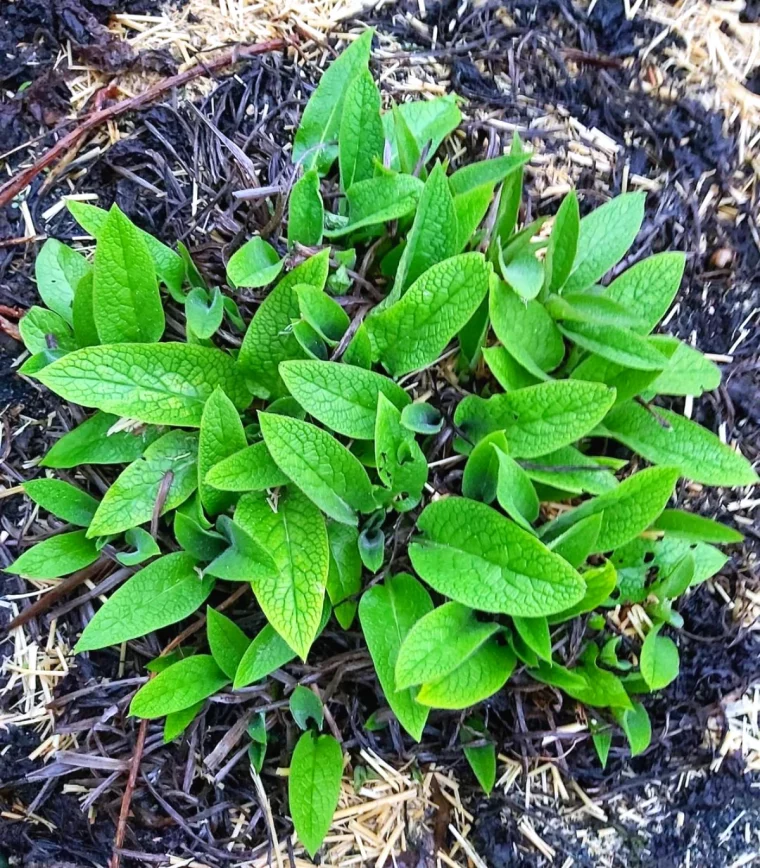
22, 180
126, 801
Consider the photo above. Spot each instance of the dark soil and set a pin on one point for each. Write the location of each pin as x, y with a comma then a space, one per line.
552, 56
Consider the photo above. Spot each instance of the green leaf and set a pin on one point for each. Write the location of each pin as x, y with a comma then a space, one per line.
688, 372
295, 537
359, 350
177, 688
508, 373
602, 740
306, 215
267, 652
402, 139
269, 339
563, 243
168, 265
600, 583
588, 307
63, 500
626, 382
509, 201
90, 443
256, 263
319, 465
126, 301
314, 146
664, 437
166, 384
166, 591
620, 345
204, 312
316, 769
659, 659
250, 469
56, 556
647, 289
565, 469
636, 725
379, 200
470, 209
43, 330
340, 396
438, 643
605, 236
401, 464
361, 139
515, 492
83, 313
535, 633
245, 560
524, 274
428, 121
178, 721
228, 643
478, 677
472, 337
626, 511
433, 236
479, 558
372, 547
482, 759
695, 528
413, 332
578, 541
422, 418
587, 682
486, 172
322, 313
145, 547
344, 579
202, 544
387, 613
537, 419
481, 473
168, 468
57, 270
221, 436
305, 706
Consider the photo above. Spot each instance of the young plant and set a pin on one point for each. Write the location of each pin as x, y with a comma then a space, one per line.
299, 464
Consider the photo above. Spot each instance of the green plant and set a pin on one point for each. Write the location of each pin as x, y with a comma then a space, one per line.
297, 465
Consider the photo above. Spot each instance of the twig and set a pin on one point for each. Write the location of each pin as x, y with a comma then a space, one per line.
126, 801
22, 180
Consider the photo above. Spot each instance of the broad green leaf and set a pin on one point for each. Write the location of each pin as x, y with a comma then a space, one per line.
63, 500
422, 418
507, 372
126, 302
314, 146
587, 682
186, 683
688, 372
340, 396
590, 307
359, 350
524, 274
563, 243
305, 706
648, 288
228, 643
470, 209
429, 122
677, 581
401, 464
695, 528
166, 591
56, 556
322, 313
267, 652
605, 236
311, 343
344, 579
477, 557
379, 200
58, 269
255, 264
433, 236
316, 769
600, 583
565, 469
361, 139
413, 332
204, 312
620, 345
481, 675
626, 382
537, 419
482, 758
306, 213
168, 468
402, 139
201, 543
83, 313
578, 541
90, 443
221, 435
626, 511
664, 437
165, 384
295, 537
509, 201
245, 560
372, 547
319, 465
250, 469
472, 337
481, 473
659, 659
269, 339
486, 172
387, 613
43, 330
637, 727
143, 545
169, 266
535, 633
178, 721
440, 642
515, 492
